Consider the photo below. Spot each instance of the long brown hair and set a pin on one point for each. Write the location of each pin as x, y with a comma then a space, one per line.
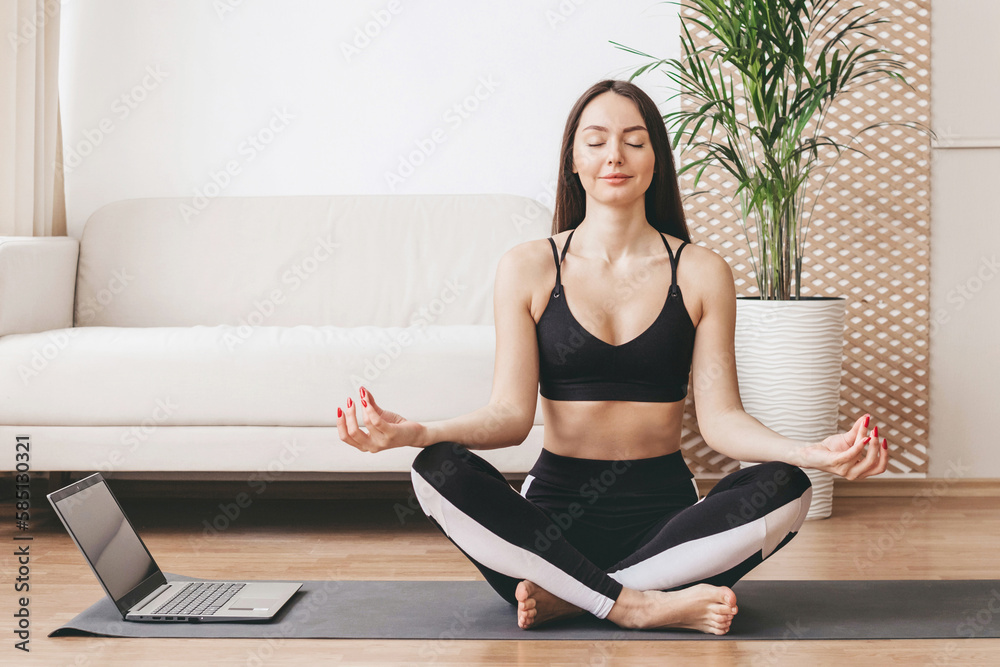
664, 208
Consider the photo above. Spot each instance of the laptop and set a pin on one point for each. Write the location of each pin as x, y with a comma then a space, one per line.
131, 578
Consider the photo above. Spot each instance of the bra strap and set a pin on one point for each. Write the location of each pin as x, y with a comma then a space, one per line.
558, 288
555, 258
674, 287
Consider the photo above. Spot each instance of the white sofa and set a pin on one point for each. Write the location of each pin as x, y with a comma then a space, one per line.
182, 337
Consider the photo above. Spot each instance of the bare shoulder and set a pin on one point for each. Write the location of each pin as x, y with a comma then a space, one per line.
705, 277
524, 267
528, 259
704, 262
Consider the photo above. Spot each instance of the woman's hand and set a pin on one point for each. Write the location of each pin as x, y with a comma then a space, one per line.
385, 429
844, 454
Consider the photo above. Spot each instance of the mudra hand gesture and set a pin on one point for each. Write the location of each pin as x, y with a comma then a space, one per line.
386, 429
855, 454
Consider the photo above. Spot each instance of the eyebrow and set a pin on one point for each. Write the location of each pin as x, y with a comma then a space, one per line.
627, 129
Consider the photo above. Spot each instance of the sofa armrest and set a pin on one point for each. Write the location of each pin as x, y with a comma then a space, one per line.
37, 283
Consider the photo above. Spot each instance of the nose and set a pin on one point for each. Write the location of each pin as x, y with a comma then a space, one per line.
614, 153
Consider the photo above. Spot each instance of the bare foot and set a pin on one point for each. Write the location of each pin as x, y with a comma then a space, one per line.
700, 607
535, 606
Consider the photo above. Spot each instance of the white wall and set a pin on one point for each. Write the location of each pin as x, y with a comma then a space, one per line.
159, 95
965, 239
224, 72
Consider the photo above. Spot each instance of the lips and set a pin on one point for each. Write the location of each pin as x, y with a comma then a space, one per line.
616, 176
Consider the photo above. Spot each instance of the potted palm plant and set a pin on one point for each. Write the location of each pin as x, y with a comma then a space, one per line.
756, 93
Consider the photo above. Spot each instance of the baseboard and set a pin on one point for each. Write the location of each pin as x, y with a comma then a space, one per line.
981, 487
397, 485
899, 487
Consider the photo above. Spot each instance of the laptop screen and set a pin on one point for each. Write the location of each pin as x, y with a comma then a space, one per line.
116, 554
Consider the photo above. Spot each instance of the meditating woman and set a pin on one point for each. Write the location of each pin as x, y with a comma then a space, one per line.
608, 521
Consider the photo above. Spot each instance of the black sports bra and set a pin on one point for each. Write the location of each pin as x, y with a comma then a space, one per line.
575, 365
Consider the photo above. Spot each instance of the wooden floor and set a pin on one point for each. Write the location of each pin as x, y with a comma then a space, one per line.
926, 537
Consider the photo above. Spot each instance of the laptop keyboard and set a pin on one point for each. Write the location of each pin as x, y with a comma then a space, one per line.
201, 598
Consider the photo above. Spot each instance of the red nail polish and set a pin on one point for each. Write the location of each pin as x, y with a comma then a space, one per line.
350, 403
867, 417
364, 402
885, 445
340, 413
875, 433
865, 441
363, 393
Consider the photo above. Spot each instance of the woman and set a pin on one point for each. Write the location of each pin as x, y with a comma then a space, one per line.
608, 521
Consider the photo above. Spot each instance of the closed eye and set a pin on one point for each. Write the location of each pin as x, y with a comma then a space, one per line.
632, 145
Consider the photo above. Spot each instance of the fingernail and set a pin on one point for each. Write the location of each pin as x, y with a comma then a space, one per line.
350, 403
875, 433
340, 413
867, 417
363, 393
364, 402
885, 445
865, 441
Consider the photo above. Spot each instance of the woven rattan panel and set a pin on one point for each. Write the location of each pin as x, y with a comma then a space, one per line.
868, 239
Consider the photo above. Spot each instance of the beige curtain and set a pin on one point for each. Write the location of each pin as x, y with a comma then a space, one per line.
32, 200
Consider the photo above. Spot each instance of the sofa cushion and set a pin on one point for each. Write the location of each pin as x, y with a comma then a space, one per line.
225, 375
344, 260
37, 282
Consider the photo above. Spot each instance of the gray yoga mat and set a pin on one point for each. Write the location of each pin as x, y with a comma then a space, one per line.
443, 610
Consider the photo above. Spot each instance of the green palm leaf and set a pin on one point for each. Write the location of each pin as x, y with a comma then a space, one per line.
792, 59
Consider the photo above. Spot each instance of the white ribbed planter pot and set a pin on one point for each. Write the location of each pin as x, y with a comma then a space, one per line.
788, 362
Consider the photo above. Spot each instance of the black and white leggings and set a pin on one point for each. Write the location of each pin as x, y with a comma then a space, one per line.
583, 529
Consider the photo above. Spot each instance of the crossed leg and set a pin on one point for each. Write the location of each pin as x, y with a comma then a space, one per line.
678, 576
